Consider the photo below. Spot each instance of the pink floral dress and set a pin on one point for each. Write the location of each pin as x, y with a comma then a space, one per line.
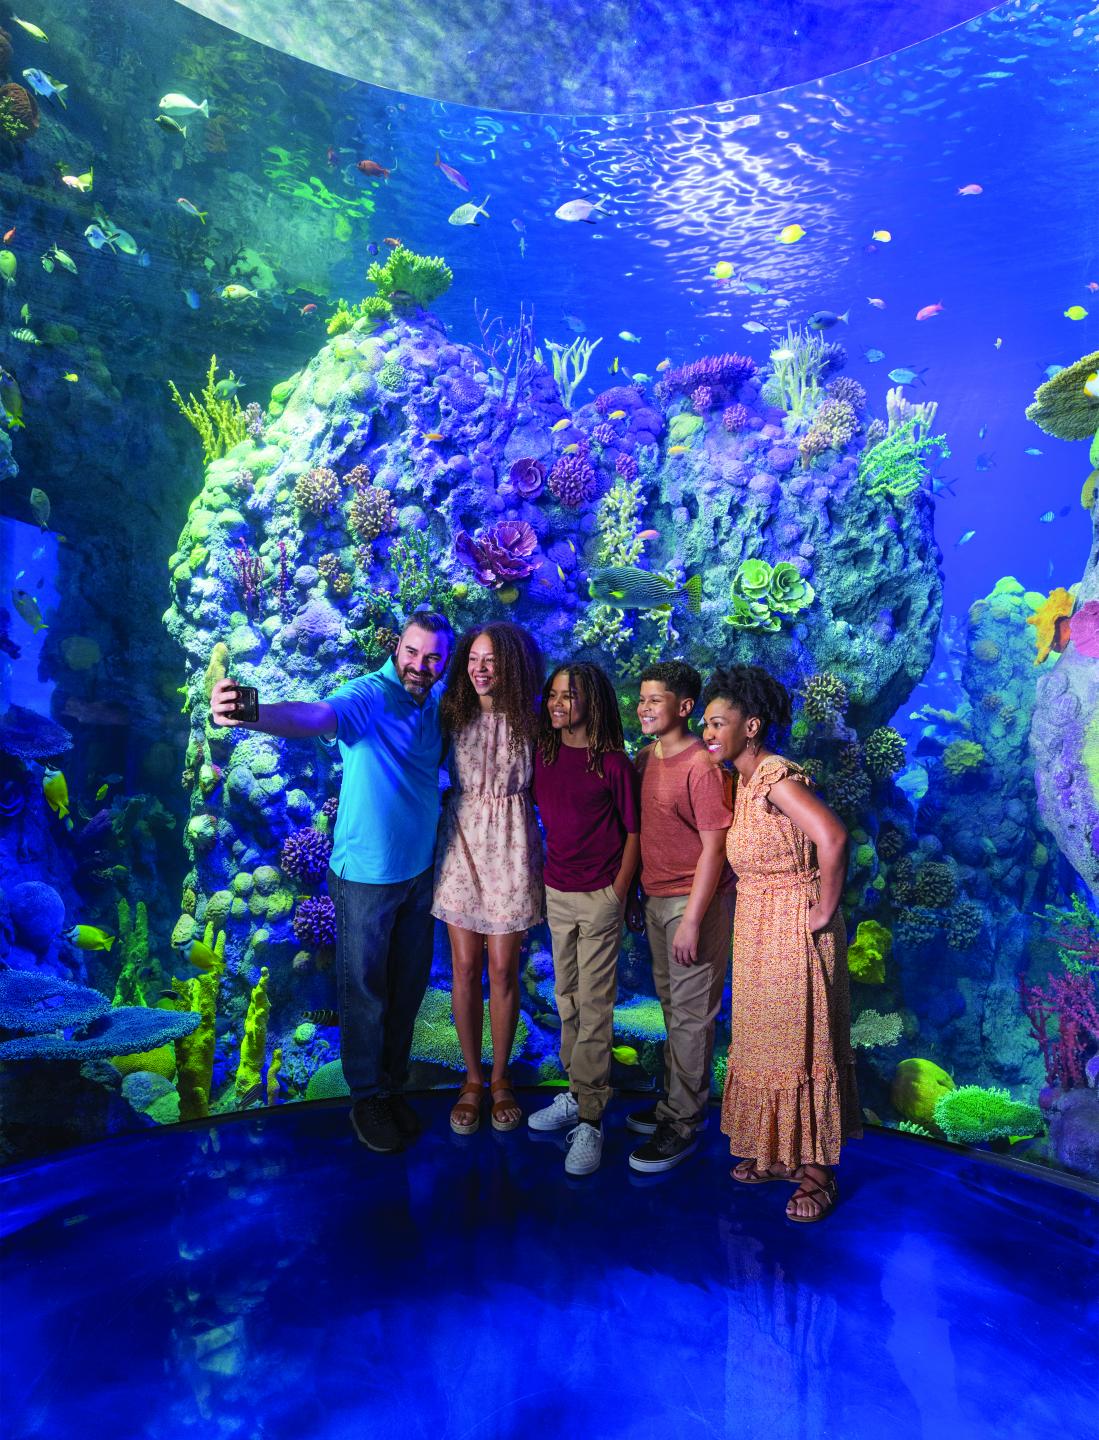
488, 864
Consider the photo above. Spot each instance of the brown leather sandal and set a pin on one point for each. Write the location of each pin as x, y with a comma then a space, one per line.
465, 1117
500, 1107
823, 1195
753, 1175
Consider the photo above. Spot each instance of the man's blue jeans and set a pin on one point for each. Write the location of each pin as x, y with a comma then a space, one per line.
384, 939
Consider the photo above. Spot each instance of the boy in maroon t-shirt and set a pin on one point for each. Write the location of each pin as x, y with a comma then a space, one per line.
688, 891
585, 787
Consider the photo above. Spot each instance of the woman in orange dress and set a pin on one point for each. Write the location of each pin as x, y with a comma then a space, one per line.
791, 1097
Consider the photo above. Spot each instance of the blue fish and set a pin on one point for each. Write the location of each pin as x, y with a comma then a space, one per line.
873, 356
902, 375
192, 298
825, 319
42, 85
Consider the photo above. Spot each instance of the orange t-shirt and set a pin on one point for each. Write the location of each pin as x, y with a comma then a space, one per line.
679, 797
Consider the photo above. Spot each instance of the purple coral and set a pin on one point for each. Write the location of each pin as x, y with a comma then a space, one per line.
528, 476
1084, 629
735, 418
306, 853
618, 397
315, 921
498, 554
625, 467
572, 480
702, 398
721, 373
255, 419
604, 434
330, 808
465, 393
845, 387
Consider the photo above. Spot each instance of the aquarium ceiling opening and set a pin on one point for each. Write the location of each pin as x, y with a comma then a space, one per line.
573, 56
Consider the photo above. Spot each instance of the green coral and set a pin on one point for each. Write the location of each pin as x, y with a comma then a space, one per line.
1062, 407
895, 466
393, 376
423, 277
617, 523
253, 1045
570, 364
640, 1020
419, 580
824, 698
796, 370
909, 1127
763, 594
885, 752
327, 1082
221, 423
963, 756
868, 952
195, 1052
374, 308
435, 1040
872, 1030
133, 947
603, 628
972, 1115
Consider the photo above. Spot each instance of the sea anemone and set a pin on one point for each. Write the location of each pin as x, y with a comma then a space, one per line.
572, 480
306, 853
315, 921
498, 554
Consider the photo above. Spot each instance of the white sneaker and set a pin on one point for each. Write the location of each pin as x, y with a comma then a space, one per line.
564, 1112
585, 1149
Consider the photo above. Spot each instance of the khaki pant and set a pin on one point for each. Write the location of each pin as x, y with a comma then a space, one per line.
586, 928
690, 996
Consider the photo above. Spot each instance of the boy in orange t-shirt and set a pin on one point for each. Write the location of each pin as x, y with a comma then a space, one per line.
688, 894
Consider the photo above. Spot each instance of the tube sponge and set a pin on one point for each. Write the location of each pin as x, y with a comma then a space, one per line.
253, 1045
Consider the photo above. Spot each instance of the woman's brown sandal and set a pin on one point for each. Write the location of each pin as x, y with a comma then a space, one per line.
822, 1193
749, 1173
500, 1107
465, 1117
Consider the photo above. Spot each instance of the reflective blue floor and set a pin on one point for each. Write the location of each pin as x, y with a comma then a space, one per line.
271, 1278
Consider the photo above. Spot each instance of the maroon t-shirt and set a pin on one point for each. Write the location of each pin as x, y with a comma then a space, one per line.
586, 816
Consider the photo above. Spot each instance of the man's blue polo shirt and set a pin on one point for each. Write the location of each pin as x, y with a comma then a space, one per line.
389, 800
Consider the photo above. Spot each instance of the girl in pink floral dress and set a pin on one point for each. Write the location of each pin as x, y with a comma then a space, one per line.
488, 867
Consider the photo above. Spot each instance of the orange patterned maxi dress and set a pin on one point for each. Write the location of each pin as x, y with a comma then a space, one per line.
791, 1096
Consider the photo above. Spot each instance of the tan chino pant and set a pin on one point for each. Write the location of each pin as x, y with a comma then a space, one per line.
586, 929
690, 996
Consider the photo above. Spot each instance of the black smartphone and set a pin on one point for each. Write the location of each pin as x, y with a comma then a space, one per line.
246, 708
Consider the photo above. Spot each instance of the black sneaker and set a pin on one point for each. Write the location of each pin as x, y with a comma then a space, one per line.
665, 1149
645, 1122
408, 1122
375, 1123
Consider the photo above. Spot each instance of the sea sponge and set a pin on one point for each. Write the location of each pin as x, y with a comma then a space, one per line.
885, 752
917, 1087
868, 952
961, 757
1062, 407
318, 490
972, 1115
1085, 629
1057, 606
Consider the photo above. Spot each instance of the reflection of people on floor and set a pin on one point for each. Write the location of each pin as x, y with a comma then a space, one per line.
488, 868
791, 1097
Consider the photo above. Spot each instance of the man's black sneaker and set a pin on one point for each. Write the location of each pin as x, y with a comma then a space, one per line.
642, 1122
376, 1125
665, 1149
408, 1122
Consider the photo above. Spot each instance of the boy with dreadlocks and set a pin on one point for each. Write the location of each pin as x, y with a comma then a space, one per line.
586, 791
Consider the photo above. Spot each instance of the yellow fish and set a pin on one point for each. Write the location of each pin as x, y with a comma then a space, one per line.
678, 449
27, 606
664, 365
198, 952
71, 376
434, 435
1091, 385
83, 183
56, 790
570, 449
561, 572
31, 30
883, 235
101, 792
88, 937
238, 292
626, 1055
562, 424
790, 234
617, 415
724, 270
1076, 312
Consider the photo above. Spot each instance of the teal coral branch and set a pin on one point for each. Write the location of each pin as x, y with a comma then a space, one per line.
570, 364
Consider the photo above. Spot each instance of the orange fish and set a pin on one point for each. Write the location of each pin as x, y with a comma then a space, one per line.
307, 309
929, 310
971, 190
10, 236
647, 534
1061, 633
389, 240
371, 167
434, 435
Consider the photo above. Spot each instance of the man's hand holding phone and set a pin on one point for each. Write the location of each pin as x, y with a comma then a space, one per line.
233, 704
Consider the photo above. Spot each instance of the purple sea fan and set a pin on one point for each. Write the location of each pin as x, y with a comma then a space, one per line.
528, 477
305, 854
498, 554
572, 480
604, 434
625, 467
735, 418
315, 921
702, 398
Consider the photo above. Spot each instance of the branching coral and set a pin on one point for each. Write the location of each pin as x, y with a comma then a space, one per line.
845, 388
221, 423
419, 580
936, 884
735, 418
963, 925
885, 752
824, 698
617, 524
763, 594
603, 628
315, 921
318, 490
872, 1029
972, 1115
570, 364
572, 480
1062, 407
834, 424
962, 757
797, 368
895, 466
721, 375
372, 512
305, 854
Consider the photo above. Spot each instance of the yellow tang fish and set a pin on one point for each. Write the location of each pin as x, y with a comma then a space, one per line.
678, 449
883, 235
626, 1055
790, 234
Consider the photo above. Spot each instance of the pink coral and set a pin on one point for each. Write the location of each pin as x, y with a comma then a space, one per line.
1085, 629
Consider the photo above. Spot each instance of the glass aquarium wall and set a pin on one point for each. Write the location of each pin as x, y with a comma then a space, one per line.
815, 373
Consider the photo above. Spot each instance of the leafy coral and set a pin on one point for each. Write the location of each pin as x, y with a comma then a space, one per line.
423, 277
973, 1115
220, 421
1062, 407
763, 594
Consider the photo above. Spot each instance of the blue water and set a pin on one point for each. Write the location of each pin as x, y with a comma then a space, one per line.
271, 1278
